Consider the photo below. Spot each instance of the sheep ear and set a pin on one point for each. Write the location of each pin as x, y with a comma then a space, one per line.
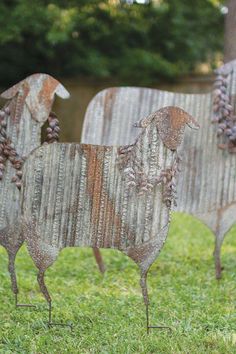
192, 123
43, 89
171, 123
38, 92
62, 92
12, 91
143, 123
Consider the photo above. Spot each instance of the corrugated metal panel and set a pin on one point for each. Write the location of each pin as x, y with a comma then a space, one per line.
28, 107
207, 187
103, 196
86, 195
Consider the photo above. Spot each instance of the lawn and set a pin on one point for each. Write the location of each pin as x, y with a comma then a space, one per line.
107, 312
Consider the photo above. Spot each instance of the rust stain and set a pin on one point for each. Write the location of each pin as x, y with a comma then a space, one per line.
94, 189
108, 107
46, 93
109, 101
17, 104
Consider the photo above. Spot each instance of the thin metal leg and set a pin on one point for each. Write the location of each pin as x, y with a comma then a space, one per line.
218, 267
49, 313
143, 283
99, 260
148, 326
12, 271
52, 324
147, 318
47, 296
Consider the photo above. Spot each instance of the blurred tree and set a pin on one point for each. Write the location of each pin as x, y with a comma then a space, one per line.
104, 38
230, 31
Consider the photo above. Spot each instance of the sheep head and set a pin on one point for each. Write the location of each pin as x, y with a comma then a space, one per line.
170, 122
37, 91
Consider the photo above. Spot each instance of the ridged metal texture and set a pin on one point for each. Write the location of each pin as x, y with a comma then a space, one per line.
207, 188
104, 196
28, 106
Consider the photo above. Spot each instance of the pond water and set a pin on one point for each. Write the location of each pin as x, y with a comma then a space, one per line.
71, 112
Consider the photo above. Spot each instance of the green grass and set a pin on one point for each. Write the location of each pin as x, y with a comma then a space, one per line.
108, 313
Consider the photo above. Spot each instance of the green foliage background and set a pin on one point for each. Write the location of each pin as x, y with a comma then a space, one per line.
103, 39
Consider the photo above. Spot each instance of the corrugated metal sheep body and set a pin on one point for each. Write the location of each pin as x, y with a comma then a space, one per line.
104, 196
207, 189
28, 106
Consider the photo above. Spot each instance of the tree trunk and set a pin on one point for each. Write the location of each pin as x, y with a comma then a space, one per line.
230, 32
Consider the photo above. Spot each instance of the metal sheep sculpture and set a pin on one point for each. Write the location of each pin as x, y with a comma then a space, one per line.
27, 108
76, 195
207, 189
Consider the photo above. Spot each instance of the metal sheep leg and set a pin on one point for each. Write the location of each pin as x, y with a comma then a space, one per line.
48, 298
143, 284
12, 271
99, 260
217, 255
12, 241
43, 256
46, 294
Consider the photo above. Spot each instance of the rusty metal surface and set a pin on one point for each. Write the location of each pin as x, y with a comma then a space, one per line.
223, 108
104, 196
28, 106
207, 188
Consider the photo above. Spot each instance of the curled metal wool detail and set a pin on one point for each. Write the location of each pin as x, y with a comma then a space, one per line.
223, 107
